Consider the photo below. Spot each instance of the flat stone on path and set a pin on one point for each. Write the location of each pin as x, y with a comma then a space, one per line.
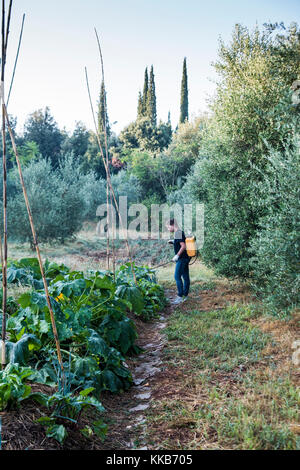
140, 407
143, 396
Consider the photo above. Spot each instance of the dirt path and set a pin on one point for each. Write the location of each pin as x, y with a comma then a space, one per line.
127, 421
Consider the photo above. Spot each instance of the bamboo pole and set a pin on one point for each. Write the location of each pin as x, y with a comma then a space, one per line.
4, 37
102, 155
35, 241
108, 182
112, 242
108, 223
108, 174
2, 340
6, 122
4, 256
1, 254
16, 61
107, 166
8, 23
109, 197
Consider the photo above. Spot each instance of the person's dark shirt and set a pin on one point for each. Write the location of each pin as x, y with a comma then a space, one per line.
179, 237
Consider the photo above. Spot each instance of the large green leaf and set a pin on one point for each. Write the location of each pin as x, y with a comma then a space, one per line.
30, 263
132, 295
19, 352
57, 432
86, 391
35, 300
110, 381
90, 401
53, 269
26, 271
13, 387
69, 288
42, 399
19, 275
104, 282
127, 335
100, 429
84, 367
97, 345
110, 328
46, 375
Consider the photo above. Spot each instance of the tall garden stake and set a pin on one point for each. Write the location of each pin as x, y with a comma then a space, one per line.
105, 160
6, 123
108, 173
108, 176
35, 242
16, 61
4, 37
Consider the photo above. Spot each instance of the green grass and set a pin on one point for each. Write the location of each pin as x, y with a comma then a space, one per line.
205, 286
230, 397
255, 420
222, 339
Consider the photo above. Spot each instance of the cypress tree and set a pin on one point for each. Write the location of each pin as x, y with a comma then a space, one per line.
145, 93
102, 112
184, 103
140, 108
169, 117
151, 101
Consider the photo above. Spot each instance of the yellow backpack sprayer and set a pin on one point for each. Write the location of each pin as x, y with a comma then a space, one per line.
191, 246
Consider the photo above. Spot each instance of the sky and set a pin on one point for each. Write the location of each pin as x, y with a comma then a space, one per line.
59, 42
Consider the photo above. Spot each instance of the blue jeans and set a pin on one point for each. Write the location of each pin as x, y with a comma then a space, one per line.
182, 272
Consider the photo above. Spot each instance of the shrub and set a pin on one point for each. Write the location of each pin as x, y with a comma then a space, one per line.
252, 110
276, 249
59, 200
126, 184
123, 183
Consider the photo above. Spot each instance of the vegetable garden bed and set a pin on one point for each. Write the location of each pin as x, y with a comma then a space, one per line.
96, 335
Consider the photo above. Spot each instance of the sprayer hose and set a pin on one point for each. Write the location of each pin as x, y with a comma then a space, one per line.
168, 262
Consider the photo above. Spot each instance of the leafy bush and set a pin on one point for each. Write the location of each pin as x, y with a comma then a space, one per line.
66, 408
276, 249
151, 298
123, 183
232, 211
143, 166
91, 320
144, 135
59, 200
162, 174
41, 128
252, 110
126, 184
13, 387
